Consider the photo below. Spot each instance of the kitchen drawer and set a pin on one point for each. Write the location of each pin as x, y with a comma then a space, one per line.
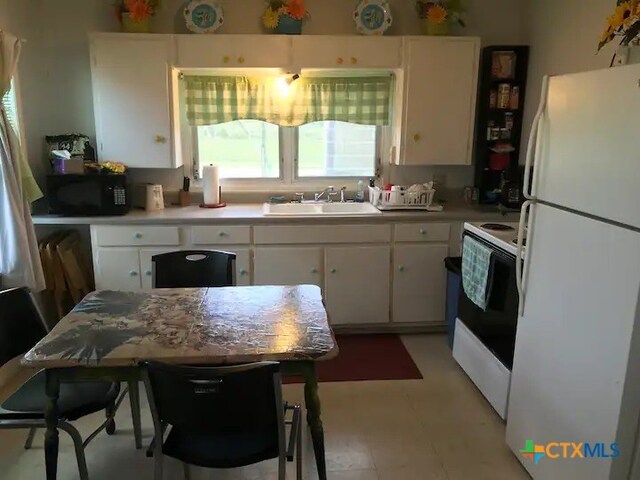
287, 235
221, 235
422, 232
133, 236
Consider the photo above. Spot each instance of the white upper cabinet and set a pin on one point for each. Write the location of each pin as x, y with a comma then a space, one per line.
323, 51
234, 51
132, 100
438, 109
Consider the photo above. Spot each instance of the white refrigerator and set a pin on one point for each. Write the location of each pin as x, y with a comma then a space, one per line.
576, 372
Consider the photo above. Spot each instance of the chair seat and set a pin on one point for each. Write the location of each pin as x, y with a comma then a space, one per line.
76, 399
219, 450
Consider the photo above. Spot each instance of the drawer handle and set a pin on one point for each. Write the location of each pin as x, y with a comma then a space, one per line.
333, 270
401, 268
133, 273
243, 272
137, 235
423, 231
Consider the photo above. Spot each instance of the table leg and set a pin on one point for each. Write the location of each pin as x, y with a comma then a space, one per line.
51, 416
134, 399
314, 419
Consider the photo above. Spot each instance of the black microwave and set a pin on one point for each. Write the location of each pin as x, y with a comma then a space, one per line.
88, 194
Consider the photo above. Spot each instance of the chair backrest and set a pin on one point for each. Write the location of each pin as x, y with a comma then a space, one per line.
21, 325
194, 268
242, 398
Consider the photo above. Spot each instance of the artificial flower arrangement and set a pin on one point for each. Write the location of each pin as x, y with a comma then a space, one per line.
136, 11
285, 16
113, 167
625, 23
437, 16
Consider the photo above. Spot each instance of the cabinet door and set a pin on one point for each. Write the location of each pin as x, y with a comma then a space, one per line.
419, 283
132, 101
440, 101
357, 286
318, 51
374, 52
288, 266
117, 269
254, 51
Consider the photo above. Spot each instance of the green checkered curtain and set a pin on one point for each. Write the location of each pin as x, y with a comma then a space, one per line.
363, 100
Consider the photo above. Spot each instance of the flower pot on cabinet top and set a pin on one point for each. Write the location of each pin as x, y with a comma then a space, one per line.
131, 26
430, 28
289, 26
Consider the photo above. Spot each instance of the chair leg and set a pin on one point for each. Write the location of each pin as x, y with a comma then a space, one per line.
110, 413
77, 444
282, 466
187, 471
29, 442
299, 450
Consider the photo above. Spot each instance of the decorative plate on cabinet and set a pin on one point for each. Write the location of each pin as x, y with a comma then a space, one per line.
372, 17
203, 16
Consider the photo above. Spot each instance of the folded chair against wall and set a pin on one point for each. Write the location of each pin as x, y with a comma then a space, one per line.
221, 417
21, 327
193, 269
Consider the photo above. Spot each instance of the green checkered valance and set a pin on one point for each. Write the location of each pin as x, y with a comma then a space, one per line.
363, 100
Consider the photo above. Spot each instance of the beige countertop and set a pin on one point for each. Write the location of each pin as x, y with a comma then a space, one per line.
253, 214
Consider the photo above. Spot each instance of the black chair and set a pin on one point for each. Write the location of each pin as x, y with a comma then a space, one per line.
21, 327
194, 268
221, 417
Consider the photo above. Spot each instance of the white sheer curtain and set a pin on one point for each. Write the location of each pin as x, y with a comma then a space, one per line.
19, 258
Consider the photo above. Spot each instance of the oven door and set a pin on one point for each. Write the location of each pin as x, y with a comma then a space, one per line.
495, 328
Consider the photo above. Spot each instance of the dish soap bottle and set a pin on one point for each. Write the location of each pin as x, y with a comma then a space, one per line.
360, 192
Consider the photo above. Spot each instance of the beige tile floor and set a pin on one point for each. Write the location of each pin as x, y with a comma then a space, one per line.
438, 428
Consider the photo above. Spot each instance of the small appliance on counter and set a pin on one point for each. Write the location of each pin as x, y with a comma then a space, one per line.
148, 196
88, 194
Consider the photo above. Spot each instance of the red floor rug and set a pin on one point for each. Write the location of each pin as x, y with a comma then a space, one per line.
367, 357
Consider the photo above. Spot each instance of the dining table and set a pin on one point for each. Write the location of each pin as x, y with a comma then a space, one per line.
109, 333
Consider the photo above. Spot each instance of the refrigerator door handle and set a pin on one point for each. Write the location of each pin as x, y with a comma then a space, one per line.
519, 261
532, 145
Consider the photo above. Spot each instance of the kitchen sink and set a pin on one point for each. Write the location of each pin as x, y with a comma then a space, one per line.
319, 209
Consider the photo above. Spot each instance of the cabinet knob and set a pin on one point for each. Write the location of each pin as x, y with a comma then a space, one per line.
222, 234
423, 231
161, 139
226, 59
133, 273
333, 270
416, 137
241, 60
354, 60
314, 270
340, 60
148, 273
137, 235
401, 268
243, 272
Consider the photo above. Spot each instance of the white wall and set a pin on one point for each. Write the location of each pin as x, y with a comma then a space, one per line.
564, 36
56, 75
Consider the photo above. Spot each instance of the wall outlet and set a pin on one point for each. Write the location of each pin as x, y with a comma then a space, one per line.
439, 180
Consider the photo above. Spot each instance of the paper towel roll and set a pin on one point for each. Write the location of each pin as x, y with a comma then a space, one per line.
211, 185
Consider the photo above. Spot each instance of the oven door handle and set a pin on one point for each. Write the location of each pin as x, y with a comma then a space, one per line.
519, 267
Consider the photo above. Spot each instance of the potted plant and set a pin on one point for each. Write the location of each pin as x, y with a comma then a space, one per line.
285, 16
623, 23
135, 15
436, 17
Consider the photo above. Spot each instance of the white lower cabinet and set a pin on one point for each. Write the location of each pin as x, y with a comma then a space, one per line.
357, 284
419, 283
288, 266
117, 269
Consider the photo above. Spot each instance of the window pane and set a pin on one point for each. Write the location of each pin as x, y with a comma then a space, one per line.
336, 149
242, 149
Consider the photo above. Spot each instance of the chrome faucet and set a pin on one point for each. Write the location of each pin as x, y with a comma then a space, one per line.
330, 191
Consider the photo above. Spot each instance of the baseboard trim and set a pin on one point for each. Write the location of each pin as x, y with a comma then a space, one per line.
389, 328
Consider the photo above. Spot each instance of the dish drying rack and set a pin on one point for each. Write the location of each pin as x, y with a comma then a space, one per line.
402, 200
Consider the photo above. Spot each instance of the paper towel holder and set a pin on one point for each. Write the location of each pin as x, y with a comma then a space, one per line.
215, 205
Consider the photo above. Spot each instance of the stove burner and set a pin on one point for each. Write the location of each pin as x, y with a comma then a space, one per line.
498, 227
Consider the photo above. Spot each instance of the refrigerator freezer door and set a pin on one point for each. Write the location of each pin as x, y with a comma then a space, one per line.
588, 148
577, 353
